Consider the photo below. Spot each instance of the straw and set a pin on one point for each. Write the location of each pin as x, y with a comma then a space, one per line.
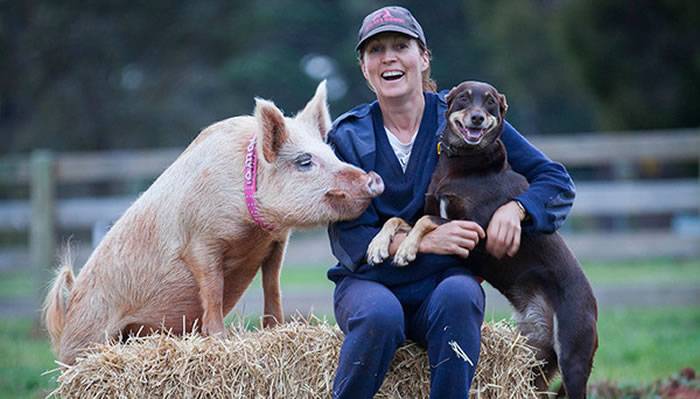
293, 360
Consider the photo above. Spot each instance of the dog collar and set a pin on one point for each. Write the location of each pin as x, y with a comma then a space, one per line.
250, 172
443, 147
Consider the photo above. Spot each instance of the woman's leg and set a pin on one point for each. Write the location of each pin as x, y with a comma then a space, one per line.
373, 322
448, 324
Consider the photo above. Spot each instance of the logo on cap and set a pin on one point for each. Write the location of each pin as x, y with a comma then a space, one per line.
390, 19
384, 17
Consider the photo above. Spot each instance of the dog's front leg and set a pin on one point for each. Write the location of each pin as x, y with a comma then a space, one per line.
271, 268
378, 248
409, 247
204, 261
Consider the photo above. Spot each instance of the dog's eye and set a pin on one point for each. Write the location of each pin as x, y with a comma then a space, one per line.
490, 101
304, 162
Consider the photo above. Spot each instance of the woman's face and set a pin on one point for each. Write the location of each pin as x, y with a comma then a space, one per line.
393, 65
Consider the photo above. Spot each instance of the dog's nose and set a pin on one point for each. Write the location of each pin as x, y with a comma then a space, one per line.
477, 119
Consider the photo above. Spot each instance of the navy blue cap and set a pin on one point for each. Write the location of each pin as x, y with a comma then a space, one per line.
390, 19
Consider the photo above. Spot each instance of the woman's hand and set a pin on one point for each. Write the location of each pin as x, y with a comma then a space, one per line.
504, 230
457, 237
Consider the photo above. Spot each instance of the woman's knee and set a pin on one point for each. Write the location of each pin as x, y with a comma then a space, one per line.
367, 306
381, 320
459, 294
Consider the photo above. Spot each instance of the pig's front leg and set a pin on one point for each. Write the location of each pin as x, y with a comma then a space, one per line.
271, 268
409, 246
378, 249
204, 261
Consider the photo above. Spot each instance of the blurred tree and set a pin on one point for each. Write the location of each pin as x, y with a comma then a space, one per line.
522, 59
78, 75
276, 38
107, 74
641, 60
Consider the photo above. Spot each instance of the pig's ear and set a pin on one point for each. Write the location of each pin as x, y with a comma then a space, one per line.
316, 111
273, 131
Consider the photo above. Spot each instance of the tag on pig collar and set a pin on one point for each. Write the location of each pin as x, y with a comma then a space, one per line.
250, 172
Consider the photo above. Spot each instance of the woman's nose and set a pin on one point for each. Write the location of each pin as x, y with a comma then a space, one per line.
389, 56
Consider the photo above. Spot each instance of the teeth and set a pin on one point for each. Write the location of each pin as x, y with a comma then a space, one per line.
392, 74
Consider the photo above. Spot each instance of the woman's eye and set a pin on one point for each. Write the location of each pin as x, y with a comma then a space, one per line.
304, 162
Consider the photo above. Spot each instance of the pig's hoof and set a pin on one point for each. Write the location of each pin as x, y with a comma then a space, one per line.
378, 250
214, 329
218, 334
270, 321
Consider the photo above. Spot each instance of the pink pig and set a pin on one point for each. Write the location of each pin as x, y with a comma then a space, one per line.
191, 244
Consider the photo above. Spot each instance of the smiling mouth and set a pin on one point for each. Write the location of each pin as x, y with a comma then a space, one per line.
392, 75
471, 135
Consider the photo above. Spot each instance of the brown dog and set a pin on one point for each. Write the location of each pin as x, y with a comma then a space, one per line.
188, 247
554, 304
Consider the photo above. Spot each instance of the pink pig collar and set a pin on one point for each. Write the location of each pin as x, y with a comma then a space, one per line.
250, 171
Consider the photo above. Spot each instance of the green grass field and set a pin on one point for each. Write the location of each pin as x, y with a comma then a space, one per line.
644, 345
660, 271
637, 346
23, 359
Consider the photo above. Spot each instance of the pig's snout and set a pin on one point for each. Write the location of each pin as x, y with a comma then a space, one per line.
353, 192
355, 184
375, 186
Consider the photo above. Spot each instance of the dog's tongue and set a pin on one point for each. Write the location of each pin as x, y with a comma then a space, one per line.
474, 134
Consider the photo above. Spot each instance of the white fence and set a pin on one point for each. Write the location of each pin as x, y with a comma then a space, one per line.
623, 194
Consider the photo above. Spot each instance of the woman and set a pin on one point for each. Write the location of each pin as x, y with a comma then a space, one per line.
434, 301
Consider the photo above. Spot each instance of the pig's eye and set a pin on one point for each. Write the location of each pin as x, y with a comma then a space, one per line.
303, 162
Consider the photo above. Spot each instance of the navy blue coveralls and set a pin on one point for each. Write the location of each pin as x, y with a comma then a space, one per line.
434, 301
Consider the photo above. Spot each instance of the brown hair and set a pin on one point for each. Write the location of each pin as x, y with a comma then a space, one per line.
428, 83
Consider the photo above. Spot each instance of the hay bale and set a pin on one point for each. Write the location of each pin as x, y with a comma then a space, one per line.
293, 360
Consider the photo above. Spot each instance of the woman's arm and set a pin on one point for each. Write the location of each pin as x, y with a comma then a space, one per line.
551, 194
457, 237
349, 239
542, 208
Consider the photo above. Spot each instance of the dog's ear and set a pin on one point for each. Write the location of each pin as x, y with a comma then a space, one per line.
316, 111
451, 95
503, 104
454, 92
272, 132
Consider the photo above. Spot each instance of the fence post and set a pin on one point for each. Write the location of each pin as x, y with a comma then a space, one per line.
42, 241
622, 170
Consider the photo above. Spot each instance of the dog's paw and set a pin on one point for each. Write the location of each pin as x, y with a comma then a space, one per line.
405, 254
378, 249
